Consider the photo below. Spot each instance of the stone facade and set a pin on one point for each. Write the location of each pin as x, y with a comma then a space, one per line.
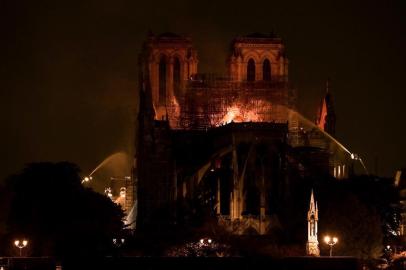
258, 48
170, 60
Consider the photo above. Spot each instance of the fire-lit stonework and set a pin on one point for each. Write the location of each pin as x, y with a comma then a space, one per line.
255, 90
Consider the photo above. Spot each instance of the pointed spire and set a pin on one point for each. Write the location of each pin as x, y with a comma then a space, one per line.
312, 198
313, 204
325, 118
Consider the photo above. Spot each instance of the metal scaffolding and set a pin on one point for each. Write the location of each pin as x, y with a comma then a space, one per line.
211, 102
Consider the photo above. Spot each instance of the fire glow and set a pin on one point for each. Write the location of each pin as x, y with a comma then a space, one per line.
251, 112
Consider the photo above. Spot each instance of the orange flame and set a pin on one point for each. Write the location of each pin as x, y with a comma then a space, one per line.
252, 112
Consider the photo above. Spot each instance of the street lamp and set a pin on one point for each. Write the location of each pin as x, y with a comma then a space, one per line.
388, 253
109, 193
118, 242
87, 179
331, 241
205, 241
20, 244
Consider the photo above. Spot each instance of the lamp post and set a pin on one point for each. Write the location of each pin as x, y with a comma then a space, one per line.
388, 253
118, 242
331, 241
205, 241
20, 244
87, 179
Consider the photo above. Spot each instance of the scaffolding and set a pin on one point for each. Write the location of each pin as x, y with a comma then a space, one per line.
209, 101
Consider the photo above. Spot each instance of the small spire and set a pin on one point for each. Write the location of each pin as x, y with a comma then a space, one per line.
312, 205
312, 198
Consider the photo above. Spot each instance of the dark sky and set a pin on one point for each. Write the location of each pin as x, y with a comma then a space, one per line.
68, 69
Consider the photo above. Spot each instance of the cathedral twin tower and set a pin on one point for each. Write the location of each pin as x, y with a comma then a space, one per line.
169, 61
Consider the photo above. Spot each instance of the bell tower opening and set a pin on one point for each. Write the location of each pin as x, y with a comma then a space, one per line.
162, 80
251, 70
266, 70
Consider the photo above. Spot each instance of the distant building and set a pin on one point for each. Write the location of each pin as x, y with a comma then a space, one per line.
400, 183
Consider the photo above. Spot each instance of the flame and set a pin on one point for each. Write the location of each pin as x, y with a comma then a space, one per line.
174, 112
254, 111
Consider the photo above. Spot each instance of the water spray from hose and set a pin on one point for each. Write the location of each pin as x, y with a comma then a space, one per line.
310, 123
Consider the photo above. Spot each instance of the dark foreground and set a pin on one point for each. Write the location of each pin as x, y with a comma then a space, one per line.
124, 263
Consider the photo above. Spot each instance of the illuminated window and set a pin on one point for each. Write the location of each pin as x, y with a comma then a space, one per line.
251, 70
266, 70
162, 80
176, 76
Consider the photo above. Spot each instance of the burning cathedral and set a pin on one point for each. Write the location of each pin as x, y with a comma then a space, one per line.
233, 142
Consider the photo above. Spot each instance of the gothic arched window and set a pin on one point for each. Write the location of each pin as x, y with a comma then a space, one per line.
251, 70
162, 80
266, 70
176, 76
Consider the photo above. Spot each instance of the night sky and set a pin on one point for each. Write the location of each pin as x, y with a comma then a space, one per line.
68, 70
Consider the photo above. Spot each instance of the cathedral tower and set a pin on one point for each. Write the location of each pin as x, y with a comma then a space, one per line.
312, 246
168, 60
165, 64
258, 57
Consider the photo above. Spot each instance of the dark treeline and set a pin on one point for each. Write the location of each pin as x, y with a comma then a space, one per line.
47, 205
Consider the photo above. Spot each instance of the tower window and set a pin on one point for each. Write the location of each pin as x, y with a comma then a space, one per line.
251, 70
266, 70
162, 80
176, 76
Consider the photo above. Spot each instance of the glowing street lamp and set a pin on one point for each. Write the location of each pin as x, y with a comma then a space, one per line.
87, 179
388, 253
331, 241
20, 244
108, 192
205, 241
118, 242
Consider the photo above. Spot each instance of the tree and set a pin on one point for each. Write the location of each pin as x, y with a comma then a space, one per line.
358, 227
60, 217
361, 212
